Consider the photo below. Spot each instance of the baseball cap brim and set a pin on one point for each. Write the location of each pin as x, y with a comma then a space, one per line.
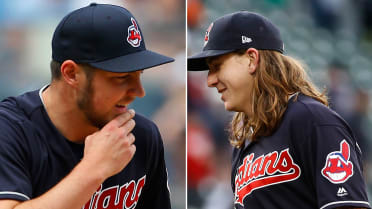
132, 62
198, 62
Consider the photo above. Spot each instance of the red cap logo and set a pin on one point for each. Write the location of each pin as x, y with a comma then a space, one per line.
206, 37
134, 35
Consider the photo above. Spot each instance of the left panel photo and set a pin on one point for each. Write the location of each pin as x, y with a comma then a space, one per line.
92, 110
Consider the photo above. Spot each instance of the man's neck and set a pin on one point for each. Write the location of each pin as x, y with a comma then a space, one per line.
62, 110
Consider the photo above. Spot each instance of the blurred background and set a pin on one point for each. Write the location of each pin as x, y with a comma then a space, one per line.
332, 37
26, 30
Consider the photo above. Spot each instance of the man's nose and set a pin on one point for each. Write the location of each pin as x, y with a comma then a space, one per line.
137, 88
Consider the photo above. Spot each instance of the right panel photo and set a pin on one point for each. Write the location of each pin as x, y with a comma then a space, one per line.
279, 112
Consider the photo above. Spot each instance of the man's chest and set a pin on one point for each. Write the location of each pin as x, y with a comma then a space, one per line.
266, 173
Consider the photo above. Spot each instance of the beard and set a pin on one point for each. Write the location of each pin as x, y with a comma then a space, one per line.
85, 104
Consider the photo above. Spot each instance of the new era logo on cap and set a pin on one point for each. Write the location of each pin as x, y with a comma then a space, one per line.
246, 39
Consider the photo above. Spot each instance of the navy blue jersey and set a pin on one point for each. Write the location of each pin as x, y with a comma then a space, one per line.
311, 161
34, 157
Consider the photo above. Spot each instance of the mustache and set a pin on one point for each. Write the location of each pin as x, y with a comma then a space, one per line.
127, 100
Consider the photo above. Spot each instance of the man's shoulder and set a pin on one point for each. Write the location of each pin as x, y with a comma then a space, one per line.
148, 138
147, 131
16, 113
19, 109
143, 123
305, 108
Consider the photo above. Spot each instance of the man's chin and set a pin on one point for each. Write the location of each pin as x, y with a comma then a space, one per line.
229, 107
100, 122
232, 108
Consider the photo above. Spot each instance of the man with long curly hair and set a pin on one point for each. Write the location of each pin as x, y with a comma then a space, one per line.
290, 149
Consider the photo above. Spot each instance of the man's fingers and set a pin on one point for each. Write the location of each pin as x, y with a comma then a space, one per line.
128, 126
122, 119
131, 138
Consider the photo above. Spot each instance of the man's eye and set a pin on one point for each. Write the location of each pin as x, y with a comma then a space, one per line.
123, 77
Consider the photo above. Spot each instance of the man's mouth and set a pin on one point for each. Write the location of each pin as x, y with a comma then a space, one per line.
121, 105
221, 90
121, 108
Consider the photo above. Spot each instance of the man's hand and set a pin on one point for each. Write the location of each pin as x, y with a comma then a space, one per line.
106, 153
111, 149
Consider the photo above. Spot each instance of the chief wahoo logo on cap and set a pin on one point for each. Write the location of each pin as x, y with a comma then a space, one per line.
134, 35
206, 38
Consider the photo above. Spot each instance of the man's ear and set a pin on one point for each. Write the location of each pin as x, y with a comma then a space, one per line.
70, 72
253, 56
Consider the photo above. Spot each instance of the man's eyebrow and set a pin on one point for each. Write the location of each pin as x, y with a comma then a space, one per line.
119, 75
214, 63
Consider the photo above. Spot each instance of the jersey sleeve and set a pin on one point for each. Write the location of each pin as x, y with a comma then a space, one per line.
15, 180
332, 164
157, 190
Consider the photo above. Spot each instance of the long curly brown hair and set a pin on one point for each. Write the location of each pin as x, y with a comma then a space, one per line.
277, 77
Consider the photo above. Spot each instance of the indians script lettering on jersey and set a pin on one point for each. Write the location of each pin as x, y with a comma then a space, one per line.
265, 170
117, 198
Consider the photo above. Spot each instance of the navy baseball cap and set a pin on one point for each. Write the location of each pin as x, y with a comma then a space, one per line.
239, 30
104, 36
